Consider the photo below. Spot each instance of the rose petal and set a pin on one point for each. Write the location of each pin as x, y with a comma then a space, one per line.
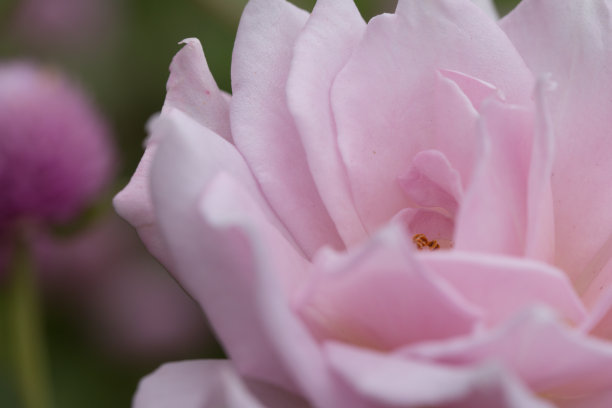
493, 214
362, 299
389, 84
320, 52
599, 400
189, 158
134, 204
432, 182
260, 66
207, 384
503, 286
601, 282
569, 40
553, 359
511, 186
394, 381
192, 89
599, 322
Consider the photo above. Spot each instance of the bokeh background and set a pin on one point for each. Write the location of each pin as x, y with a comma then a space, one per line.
111, 313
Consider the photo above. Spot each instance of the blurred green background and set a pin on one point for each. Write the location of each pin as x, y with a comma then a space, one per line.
119, 51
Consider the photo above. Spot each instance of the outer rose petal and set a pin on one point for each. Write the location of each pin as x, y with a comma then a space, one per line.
395, 381
264, 130
389, 84
133, 203
569, 39
320, 52
206, 384
554, 360
192, 89
189, 157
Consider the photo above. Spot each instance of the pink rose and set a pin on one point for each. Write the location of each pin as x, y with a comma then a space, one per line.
294, 210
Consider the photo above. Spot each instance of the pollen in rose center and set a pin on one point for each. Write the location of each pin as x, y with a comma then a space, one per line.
421, 242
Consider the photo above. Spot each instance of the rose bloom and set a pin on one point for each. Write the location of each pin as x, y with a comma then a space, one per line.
412, 212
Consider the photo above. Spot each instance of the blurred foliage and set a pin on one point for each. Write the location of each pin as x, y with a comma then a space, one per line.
125, 67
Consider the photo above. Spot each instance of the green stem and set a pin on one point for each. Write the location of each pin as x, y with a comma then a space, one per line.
26, 331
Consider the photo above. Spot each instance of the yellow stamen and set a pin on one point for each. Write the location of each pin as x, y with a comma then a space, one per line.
421, 242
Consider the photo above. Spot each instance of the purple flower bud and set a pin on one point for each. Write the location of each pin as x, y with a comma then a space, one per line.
56, 153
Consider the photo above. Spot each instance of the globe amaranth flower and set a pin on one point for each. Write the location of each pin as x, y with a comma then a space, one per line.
56, 153
405, 213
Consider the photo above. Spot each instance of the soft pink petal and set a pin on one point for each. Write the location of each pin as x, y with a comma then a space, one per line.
320, 52
601, 282
206, 384
432, 182
552, 359
599, 400
599, 322
192, 89
395, 381
200, 155
231, 204
389, 84
379, 297
503, 286
569, 40
263, 128
493, 215
134, 204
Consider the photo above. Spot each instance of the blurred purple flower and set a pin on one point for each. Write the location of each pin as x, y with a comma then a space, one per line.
56, 153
